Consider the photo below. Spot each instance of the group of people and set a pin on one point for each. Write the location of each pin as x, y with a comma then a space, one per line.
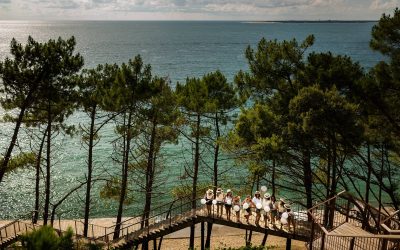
264, 206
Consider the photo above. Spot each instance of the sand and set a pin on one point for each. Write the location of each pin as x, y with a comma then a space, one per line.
225, 237
222, 237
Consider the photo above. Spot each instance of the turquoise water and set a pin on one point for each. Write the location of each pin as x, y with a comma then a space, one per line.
174, 49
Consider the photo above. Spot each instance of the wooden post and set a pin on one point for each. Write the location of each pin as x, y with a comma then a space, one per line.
145, 245
384, 244
202, 236
288, 243
312, 234
208, 239
191, 240
347, 210
323, 241
159, 243
352, 241
250, 234
265, 239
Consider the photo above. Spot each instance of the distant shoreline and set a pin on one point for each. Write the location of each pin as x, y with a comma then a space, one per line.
314, 21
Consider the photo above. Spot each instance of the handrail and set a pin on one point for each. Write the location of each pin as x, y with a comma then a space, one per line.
390, 217
320, 234
158, 207
171, 208
9, 224
325, 201
15, 220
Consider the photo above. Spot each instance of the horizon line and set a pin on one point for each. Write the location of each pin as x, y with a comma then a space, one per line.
198, 20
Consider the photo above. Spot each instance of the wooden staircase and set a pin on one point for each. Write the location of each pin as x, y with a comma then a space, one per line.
341, 222
344, 222
180, 215
10, 232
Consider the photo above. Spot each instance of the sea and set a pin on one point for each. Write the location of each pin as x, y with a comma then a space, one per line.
175, 49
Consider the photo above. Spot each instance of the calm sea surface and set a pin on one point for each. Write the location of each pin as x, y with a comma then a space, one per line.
174, 49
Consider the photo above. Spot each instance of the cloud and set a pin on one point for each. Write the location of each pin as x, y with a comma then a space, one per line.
195, 9
384, 4
64, 4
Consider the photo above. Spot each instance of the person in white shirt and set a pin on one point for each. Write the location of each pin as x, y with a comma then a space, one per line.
290, 218
247, 211
209, 198
257, 200
281, 207
267, 203
228, 200
274, 210
236, 202
220, 201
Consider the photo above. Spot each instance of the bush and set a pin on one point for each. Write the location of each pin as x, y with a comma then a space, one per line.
47, 238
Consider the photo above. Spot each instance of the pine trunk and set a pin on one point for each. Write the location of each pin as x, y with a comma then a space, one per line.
7, 156
48, 158
37, 181
195, 174
124, 183
308, 179
216, 151
90, 169
150, 173
273, 178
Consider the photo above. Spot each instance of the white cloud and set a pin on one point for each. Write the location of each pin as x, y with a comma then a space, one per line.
195, 9
384, 4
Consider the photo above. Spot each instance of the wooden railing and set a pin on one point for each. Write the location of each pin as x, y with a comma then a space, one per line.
344, 208
158, 217
181, 210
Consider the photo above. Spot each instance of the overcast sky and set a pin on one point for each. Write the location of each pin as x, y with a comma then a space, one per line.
196, 9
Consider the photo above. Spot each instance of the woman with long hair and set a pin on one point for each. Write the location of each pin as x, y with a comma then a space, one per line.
274, 210
228, 200
257, 203
219, 196
236, 205
209, 197
267, 205
247, 210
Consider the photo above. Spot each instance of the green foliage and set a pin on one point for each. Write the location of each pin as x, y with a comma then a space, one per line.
112, 190
22, 160
221, 94
33, 67
94, 85
272, 68
385, 35
185, 190
193, 96
324, 113
328, 70
47, 238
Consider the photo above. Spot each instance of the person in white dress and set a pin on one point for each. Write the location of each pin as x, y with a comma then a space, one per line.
209, 196
228, 201
236, 202
257, 203
219, 196
274, 210
247, 211
290, 218
267, 204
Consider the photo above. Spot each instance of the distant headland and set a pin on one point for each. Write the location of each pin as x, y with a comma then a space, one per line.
314, 21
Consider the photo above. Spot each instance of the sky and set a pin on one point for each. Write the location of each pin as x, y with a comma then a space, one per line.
260, 10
